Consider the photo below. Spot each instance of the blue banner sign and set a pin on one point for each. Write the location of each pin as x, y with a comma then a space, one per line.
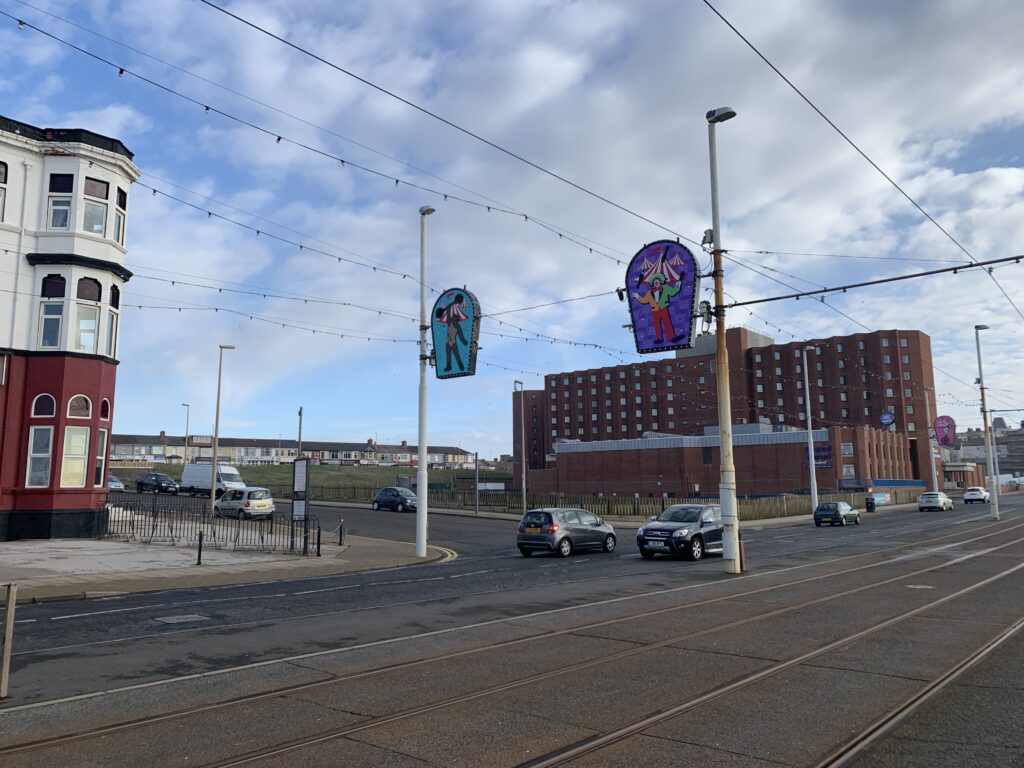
887, 418
455, 329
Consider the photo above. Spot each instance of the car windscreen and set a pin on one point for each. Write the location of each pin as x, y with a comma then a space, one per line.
229, 476
680, 515
259, 494
536, 519
407, 493
164, 478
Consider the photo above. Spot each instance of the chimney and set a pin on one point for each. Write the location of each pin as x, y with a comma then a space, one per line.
405, 443
163, 436
369, 442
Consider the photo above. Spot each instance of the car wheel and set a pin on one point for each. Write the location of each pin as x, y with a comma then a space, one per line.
842, 520
564, 548
609, 543
375, 506
695, 549
400, 507
646, 554
856, 520
525, 552
216, 511
817, 523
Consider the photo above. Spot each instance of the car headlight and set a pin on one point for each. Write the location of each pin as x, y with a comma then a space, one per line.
639, 531
680, 533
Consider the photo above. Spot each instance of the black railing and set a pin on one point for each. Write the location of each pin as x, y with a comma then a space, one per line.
179, 520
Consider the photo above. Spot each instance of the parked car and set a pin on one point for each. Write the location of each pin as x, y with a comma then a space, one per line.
398, 499
195, 479
245, 503
563, 531
114, 483
933, 500
833, 512
690, 530
156, 482
972, 495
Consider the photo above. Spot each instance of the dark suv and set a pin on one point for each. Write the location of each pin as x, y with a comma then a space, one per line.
398, 499
690, 530
157, 483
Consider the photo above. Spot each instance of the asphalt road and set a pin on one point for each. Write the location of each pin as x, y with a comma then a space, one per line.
150, 653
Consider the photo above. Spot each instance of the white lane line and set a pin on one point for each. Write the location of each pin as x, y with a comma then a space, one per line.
158, 605
474, 573
326, 589
29, 621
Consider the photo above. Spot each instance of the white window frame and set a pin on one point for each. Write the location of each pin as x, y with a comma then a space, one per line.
33, 456
36, 400
110, 340
100, 467
82, 308
43, 317
87, 399
70, 461
88, 206
64, 205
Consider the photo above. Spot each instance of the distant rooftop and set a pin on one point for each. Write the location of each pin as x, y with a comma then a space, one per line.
65, 136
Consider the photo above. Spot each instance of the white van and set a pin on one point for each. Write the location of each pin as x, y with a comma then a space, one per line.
195, 479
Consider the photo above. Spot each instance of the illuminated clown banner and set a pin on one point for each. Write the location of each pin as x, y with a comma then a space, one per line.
945, 430
663, 284
455, 329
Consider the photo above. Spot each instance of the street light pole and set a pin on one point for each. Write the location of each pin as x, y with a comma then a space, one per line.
188, 410
517, 386
928, 433
811, 468
984, 416
727, 480
421, 469
216, 432
299, 452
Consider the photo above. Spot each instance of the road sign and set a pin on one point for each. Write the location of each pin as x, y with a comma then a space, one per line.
887, 418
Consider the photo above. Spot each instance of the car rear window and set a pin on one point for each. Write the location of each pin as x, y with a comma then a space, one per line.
259, 494
828, 507
536, 518
929, 495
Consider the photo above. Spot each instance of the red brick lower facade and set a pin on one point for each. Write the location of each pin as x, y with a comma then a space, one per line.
56, 412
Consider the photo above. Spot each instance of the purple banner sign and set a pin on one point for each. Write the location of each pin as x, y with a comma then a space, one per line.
945, 430
663, 285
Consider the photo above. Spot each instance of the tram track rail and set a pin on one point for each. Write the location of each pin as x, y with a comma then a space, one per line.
491, 690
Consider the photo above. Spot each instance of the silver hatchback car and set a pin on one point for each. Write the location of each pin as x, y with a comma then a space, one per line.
245, 503
562, 531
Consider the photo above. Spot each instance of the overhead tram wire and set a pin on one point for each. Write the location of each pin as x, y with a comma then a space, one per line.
310, 124
861, 152
446, 121
842, 256
281, 137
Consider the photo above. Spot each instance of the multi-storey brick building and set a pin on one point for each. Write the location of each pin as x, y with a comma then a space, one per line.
851, 381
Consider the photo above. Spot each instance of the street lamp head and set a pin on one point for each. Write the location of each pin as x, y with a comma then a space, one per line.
185, 405
809, 347
721, 114
981, 327
227, 346
426, 210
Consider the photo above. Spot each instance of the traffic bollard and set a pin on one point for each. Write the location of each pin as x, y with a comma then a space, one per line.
318, 541
199, 557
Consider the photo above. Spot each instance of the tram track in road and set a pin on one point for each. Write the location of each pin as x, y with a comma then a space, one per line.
596, 744
287, 691
874, 733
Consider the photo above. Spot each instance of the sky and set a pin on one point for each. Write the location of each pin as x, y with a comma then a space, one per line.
609, 96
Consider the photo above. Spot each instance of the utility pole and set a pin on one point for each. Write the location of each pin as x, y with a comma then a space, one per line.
994, 490
727, 481
422, 497
299, 454
518, 386
928, 433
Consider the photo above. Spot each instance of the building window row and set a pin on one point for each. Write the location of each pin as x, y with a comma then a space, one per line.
86, 312
96, 202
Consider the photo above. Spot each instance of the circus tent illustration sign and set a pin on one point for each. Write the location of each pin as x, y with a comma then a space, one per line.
455, 330
663, 283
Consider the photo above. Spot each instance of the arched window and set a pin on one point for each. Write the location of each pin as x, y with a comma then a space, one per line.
89, 289
105, 409
44, 405
115, 297
53, 287
79, 407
